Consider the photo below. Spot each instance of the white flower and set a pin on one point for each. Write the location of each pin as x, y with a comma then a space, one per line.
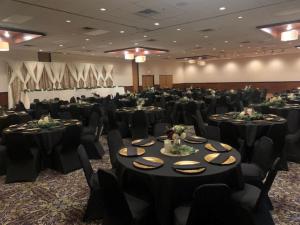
183, 135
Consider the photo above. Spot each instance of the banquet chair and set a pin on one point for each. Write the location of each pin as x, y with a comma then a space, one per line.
72, 100
3, 156
115, 143
94, 210
92, 144
92, 124
20, 107
204, 130
75, 112
23, 161
263, 156
12, 119
65, 157
292, 146
121, 208
160, 129
252, 197
113, 123
139, 126
229, 135
211, 205
277, 133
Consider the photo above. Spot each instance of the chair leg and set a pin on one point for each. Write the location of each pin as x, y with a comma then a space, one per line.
269, 202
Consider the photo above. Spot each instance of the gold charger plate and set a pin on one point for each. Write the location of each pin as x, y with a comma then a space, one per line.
210, 157
151, 159
33, 129
135, 142
191, 171
140, 151
210, 147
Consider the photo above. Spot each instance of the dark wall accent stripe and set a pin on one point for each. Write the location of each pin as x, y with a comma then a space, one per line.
4, 99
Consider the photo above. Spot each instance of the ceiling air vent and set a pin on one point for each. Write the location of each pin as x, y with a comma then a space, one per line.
147, 13
245, 42
88, 28
206, 30
151, 40
27, 45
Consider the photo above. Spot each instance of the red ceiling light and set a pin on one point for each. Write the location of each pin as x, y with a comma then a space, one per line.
16, 36
288, 31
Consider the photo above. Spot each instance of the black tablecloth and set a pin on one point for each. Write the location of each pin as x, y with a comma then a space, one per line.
249, 131
154, 114
170, 188
23, 117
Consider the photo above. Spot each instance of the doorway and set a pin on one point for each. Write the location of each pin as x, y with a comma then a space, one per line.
166, 81
147, 81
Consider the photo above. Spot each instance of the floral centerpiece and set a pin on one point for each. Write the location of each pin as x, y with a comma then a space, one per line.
291, 96
276, 101
249, 114
175, 134
184, 99
46, 122
140, 102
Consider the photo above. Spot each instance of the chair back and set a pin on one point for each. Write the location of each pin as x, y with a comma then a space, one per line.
139, 125
12, 119
277, 133
93, 121
115, 143
116, 209
271, 175
18, 146
293, 121
211, 205
229, 134
100, 127
71, 138
86, 165
199, 126
263, 154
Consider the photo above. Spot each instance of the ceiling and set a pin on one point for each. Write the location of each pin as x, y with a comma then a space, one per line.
186, 27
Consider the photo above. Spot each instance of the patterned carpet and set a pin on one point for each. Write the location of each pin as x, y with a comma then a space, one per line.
61, 199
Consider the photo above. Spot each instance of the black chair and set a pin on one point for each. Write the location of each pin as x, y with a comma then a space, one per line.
65, 157
72, 100
91, 142
121, 208
2, 160
251, 197
229, 135
277, 133
211, 205
115, 143
139, 126
23, 161
94, 210
207, 131
92, 125
20, 107
160, 129
262, 159
292, 146
12, 119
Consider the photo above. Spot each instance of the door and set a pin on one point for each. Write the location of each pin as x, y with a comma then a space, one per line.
147, 81
165, 81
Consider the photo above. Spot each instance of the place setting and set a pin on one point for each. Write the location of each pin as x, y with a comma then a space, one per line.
132, 151
188, 167
147, 142
148, 163
218, 147
220, 159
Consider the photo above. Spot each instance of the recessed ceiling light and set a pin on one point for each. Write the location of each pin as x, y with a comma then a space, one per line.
102, 9
40, 50
146, 52
226, 42
68, 21
174, 41
145, 36
222, 8
61, 45
179, 29
156, 24
136, 43
122, 31
205, 36
240, 17
83, 47
6, 34
214, 49
87, 39
241, 46
110, 43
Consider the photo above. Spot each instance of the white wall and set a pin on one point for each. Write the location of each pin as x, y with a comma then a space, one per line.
267, 68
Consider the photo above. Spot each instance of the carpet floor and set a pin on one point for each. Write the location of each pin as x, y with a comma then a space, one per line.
61, 199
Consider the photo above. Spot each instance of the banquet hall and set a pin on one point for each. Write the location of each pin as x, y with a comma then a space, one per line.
150, 112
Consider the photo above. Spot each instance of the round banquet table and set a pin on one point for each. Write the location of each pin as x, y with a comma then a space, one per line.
249, 131
154, 114
45, 139
23, 117
169, 188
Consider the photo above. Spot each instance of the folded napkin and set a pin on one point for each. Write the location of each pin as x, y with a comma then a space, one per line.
148, 163
142, 142
187, 167
131, 151
196, 139
220, 159
162, 138
219, 147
